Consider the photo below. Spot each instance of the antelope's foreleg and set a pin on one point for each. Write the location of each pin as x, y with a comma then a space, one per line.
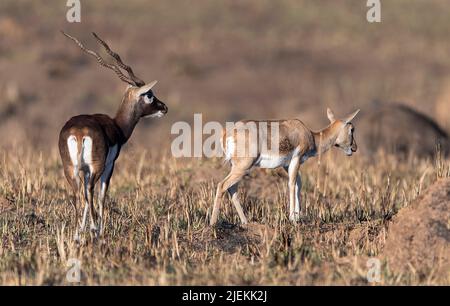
294, 189
298, 195
104, 186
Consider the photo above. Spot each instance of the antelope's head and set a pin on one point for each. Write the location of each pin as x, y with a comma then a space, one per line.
144, 102
344, 129
139, 99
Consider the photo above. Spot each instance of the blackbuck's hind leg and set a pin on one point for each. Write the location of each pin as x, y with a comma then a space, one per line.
238, 170
295, 186
73, 182
86, 203
89, 182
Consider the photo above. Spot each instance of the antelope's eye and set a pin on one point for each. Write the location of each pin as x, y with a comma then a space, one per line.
148, 98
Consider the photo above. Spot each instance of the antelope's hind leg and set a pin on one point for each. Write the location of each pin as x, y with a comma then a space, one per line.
238, 170
74, 185
233, 191
90, 179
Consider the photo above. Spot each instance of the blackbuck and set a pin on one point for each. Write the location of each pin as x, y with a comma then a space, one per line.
294, 144
90, 144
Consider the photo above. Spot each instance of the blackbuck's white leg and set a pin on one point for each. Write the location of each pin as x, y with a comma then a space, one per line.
294, 189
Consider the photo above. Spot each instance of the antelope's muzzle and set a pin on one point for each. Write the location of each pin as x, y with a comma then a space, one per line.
354, 146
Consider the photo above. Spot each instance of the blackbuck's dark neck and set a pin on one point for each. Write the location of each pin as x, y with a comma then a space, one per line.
126, 119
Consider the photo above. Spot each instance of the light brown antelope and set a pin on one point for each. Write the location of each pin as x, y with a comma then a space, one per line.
90, 144
295, 144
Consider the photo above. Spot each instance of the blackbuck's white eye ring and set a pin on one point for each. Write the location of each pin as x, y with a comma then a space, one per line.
148, 100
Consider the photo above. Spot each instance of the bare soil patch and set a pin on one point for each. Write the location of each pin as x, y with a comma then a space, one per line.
419, 236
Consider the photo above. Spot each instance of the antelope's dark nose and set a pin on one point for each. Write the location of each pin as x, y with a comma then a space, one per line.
161, 106
165, 109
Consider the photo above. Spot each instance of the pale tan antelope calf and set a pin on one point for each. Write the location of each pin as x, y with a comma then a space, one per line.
90, 144
295, 143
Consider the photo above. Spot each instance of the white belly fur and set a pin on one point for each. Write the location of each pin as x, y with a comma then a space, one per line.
273, 161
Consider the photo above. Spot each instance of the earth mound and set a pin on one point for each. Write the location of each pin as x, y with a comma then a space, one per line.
419, 237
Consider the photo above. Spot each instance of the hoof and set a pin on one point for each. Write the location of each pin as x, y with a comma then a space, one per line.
95, 233
295, 217
76, 237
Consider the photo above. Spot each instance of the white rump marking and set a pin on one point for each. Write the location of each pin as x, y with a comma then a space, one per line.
86, 157
73, 150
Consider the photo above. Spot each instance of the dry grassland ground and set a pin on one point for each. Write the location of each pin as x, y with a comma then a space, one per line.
228, 60
157, 223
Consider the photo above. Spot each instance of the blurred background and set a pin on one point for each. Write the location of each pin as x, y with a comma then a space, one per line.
228, 60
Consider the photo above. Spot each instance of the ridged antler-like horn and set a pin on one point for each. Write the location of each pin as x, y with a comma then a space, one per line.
119, 62
101, 61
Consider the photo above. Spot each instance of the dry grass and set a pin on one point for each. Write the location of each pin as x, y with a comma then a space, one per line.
157, 213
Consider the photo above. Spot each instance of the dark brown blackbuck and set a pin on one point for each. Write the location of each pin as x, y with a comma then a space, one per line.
89, 145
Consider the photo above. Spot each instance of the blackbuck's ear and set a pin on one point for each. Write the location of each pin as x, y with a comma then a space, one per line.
145, 88
351, 117
330, 115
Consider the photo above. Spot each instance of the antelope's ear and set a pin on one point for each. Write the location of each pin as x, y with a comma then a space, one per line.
330, 115
351, 117
145, 88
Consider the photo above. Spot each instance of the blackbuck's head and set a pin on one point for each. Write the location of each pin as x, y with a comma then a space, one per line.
143, 101
139, 99
344, 130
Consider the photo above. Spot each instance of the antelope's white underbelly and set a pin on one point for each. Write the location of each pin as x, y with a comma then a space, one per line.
273, 161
